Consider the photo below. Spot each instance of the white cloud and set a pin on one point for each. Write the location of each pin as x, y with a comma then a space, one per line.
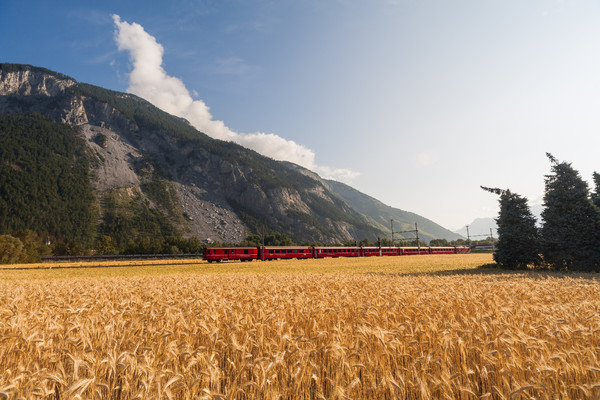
150, 81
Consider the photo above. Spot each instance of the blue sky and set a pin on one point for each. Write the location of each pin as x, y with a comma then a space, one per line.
416, 103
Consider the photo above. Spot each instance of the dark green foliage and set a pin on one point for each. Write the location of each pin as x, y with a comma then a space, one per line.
106, 245
127, 217
252, 240
166, 245
596, 194
73, 248
275, 239
11, 249
517, 246
366, 243
34, 247
489, 241
439, 243
164, 194
44, 179
278, 239
252, 220
571, 232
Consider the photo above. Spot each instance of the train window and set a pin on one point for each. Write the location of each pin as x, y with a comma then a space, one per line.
245, 251
296, 251
270, 251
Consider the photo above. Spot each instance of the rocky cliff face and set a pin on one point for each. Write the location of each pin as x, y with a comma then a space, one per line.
222, 191
32, 82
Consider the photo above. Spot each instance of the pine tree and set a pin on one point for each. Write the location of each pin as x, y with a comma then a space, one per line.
518, 245
596, 193
570, 237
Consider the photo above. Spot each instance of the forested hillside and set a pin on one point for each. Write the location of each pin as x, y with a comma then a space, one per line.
44, 180
108, 171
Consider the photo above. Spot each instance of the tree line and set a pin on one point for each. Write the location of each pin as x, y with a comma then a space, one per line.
569, 237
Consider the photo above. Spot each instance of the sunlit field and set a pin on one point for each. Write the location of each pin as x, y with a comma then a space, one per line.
400, 265
399, 327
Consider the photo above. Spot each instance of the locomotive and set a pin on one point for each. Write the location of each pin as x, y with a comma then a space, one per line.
268, 253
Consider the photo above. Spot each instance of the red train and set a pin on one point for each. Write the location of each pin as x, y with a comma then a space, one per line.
218, 254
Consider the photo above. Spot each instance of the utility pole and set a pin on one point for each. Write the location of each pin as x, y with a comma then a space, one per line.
262, 251
492, 239
468, 237
392, 223
418, 243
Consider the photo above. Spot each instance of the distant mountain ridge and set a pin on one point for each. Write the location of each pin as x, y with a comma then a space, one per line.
156, 169
381, 215
479, 229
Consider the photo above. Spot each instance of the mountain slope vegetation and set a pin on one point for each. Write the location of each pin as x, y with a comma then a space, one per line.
151, 174
44, 179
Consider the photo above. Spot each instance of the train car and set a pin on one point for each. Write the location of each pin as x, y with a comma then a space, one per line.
389, 251
369, 251
380, 251
336, 251
462, 249
218, 254
285, 252
442, 250
407, 251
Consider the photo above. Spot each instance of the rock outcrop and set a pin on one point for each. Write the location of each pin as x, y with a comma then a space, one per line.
223, 190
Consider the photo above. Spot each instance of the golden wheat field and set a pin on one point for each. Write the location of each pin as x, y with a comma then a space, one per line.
377, 333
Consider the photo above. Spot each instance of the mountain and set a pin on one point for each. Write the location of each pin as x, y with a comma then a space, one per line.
479, 229
381, 216
152, 174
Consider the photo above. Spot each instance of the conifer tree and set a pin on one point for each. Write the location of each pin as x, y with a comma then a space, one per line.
596, 193
570, 236
518, 245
